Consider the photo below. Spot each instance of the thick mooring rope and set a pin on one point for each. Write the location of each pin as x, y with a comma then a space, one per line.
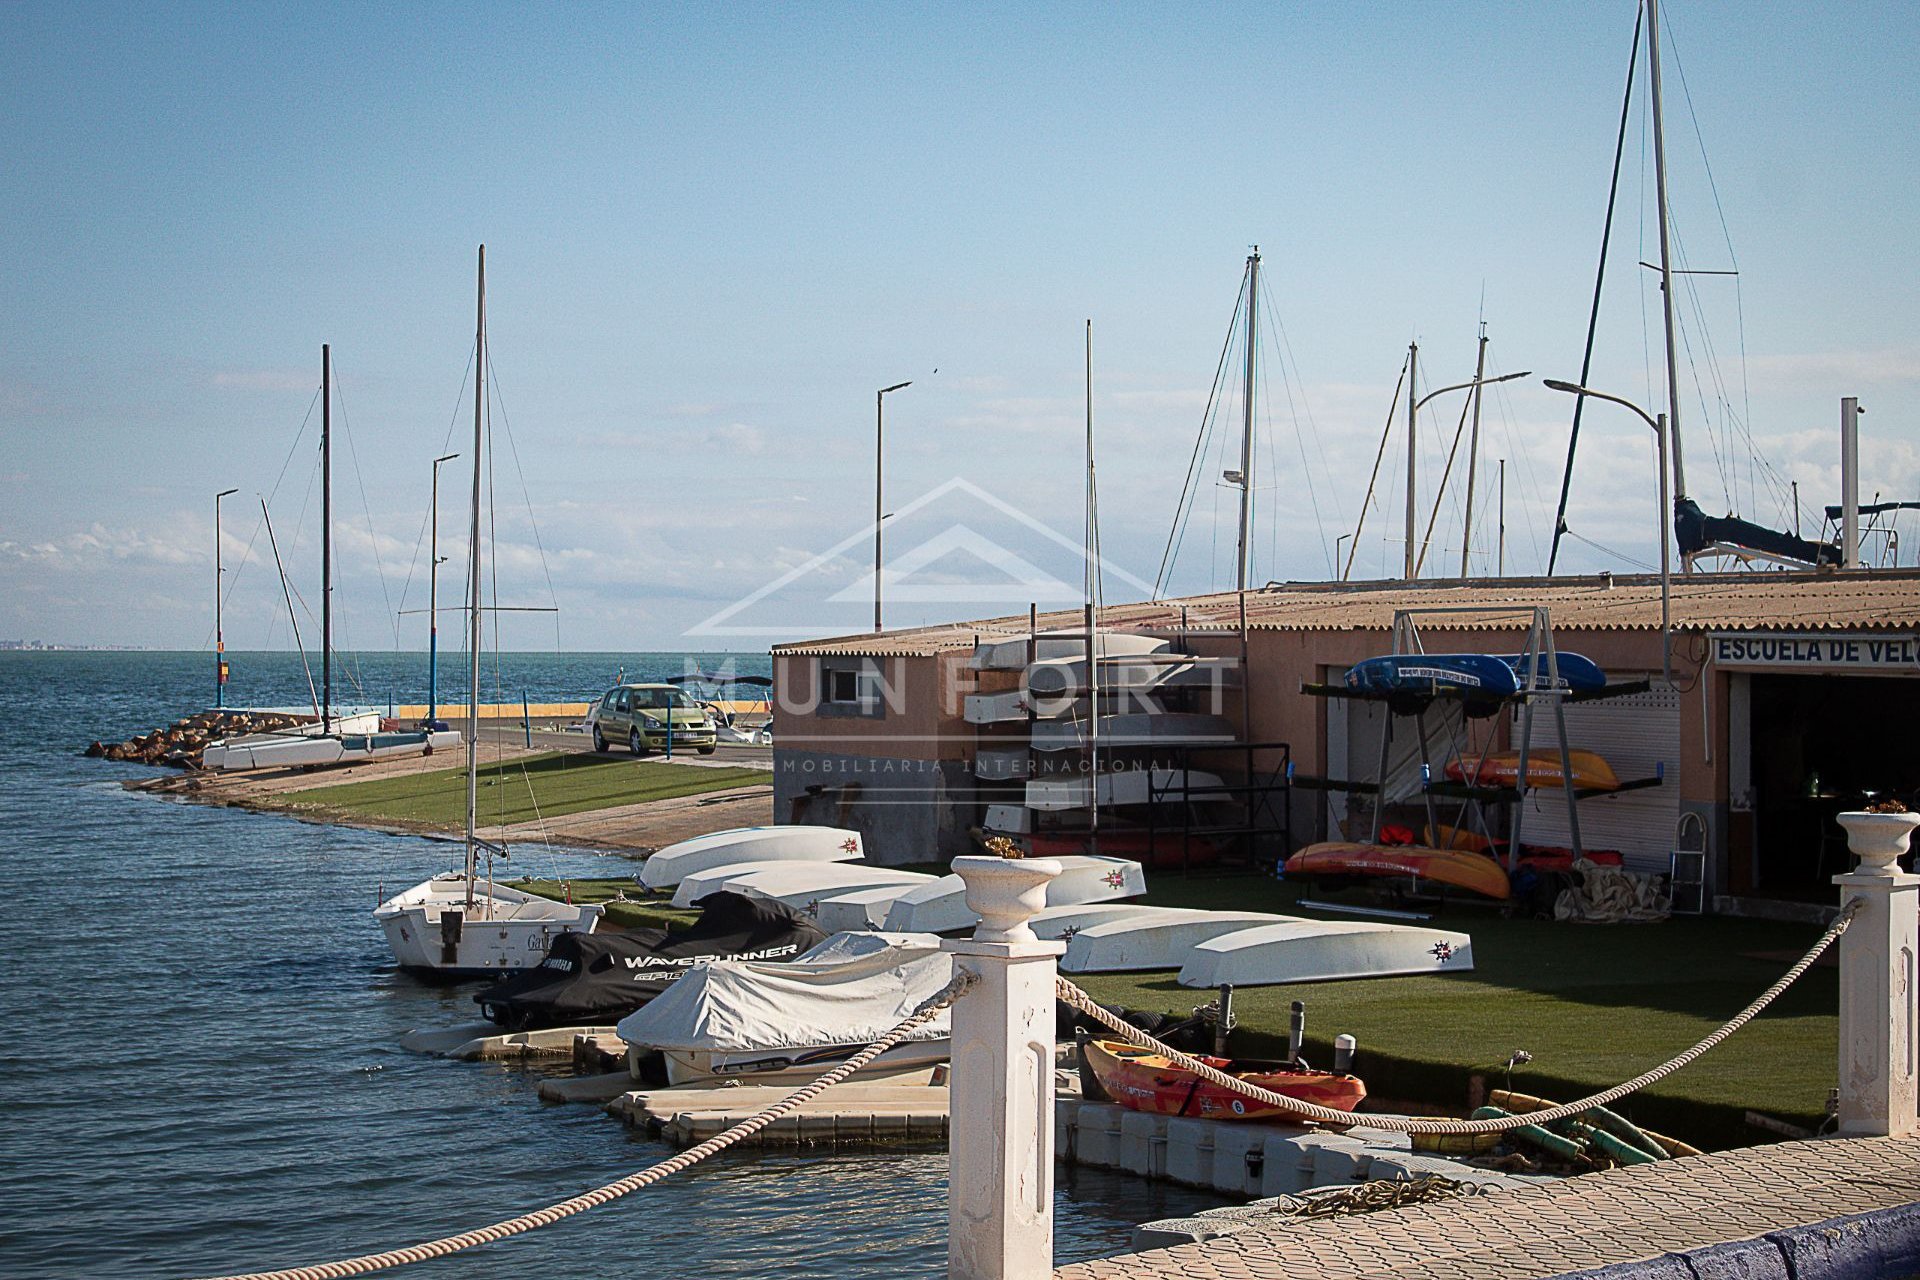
1085, 1003
440, 1248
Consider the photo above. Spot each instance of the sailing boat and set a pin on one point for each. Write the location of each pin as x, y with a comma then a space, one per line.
457, 925
331, 739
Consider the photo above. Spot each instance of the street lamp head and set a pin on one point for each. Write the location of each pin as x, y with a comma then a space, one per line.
449, 458
224, 493
1560, 384
895, 387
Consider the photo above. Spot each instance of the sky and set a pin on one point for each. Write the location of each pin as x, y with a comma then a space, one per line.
713, 233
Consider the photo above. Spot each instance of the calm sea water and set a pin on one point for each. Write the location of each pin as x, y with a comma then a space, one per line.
200, 1075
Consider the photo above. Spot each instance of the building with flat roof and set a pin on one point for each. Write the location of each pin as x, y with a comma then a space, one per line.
1790, 699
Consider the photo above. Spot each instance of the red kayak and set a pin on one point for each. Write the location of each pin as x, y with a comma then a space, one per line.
1461, 868
1146, 1080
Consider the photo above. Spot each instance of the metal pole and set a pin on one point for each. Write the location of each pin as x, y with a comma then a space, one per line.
1666, 561
1093, 633
219, 634
473, 574
1849, 482
1666, 259
1413, 405
1502, 570
879, 471
1246, 431
326, 538
1473, 452
433, 600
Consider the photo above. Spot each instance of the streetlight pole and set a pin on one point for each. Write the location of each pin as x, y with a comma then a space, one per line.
879, 475
219, 635
1413, 407
433, 601
1659, 425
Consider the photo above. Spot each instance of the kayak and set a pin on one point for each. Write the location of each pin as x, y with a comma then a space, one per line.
1461, 868
1538, 857
1147, 1080
1479, 674
1578, 673
1502, 769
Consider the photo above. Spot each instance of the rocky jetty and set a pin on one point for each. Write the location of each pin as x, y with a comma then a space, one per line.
181, 743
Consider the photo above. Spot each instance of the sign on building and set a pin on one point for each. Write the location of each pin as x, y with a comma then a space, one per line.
1828, 652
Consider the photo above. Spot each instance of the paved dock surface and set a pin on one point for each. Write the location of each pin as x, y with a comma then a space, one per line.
1580, 1224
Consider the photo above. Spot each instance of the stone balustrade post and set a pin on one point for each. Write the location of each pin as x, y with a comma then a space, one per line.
1000, 1152
1878, 1068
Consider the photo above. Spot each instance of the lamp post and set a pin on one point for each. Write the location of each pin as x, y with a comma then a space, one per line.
219, 636
879, 473
1659, 425
1336, 555
1413, 407
434, 559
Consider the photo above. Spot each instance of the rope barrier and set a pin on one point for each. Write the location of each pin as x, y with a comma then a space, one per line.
1072, 995
440, 1248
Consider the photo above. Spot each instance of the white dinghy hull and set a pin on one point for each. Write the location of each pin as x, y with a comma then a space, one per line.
1132, 787
1136, 944
941, 905
432, 932
1324, 951
667, 867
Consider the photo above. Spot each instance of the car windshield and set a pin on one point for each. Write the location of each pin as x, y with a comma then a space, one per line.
660, 699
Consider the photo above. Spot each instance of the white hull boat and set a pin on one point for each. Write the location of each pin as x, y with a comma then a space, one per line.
805, 885
1005, 707
1130, 787
1324, 951
1009, 819
287, 751
1141, 943
754, 1021
1135, 729
667, 867
940, 906
1063, 924
432, 929
1012, 655
1002, 764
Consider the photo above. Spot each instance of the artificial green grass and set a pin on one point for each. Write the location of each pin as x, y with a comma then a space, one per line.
1594, 1005
519, 790
658, 913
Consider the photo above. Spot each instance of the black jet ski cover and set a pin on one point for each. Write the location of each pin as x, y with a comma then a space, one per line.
597, 978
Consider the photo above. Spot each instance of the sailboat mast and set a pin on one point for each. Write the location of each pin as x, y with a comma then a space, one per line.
1093, 635
473, 577
1413, 407
326, 537
1666, 251
1473, 452
1246, 430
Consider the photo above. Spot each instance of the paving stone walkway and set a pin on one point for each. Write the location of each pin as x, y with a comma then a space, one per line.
1632, 1215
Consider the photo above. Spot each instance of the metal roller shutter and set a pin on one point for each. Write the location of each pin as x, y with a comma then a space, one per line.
1636, 734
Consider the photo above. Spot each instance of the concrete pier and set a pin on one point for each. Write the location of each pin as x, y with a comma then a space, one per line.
1844, 1209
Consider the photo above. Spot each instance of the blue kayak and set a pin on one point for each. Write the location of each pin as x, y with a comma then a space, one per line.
1480, 674
1578, 673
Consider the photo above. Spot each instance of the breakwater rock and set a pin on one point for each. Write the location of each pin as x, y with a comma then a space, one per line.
182, 743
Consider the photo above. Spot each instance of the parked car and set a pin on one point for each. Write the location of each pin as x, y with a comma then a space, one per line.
643, 715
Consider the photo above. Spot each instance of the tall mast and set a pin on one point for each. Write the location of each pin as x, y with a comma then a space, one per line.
1093, 634
1666, 259
1413, 405
1473, 451
473, 578
326, 537
1246, 430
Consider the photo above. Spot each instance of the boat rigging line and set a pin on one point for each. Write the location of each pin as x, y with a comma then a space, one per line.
1373, 477
291, 616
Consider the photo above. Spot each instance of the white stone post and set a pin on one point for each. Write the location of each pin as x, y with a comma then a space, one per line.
1000, 1152
1878, 1070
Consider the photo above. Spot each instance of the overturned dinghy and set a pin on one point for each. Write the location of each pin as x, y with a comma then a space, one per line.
940, 905
1139, 943
603, 977
757, 1022
1324, 951
667, 867
777, 878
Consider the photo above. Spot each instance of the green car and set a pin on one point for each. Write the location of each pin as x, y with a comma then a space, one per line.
639, 715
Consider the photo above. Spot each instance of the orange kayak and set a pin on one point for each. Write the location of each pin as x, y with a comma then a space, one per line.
1144, 1080
1461, 868
1502, 769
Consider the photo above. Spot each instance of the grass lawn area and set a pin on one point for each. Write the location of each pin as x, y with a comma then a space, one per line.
519, 790
1594, 1004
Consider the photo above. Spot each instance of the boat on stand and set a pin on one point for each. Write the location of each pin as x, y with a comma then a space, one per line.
458, 925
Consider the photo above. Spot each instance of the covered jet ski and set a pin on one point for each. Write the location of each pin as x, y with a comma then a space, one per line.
598, 978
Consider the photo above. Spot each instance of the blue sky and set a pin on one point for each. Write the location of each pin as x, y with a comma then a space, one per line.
713, 233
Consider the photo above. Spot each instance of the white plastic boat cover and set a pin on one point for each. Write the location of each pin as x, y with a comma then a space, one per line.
799, 843
940, 906
1139, 943
858, 995
1324, 951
